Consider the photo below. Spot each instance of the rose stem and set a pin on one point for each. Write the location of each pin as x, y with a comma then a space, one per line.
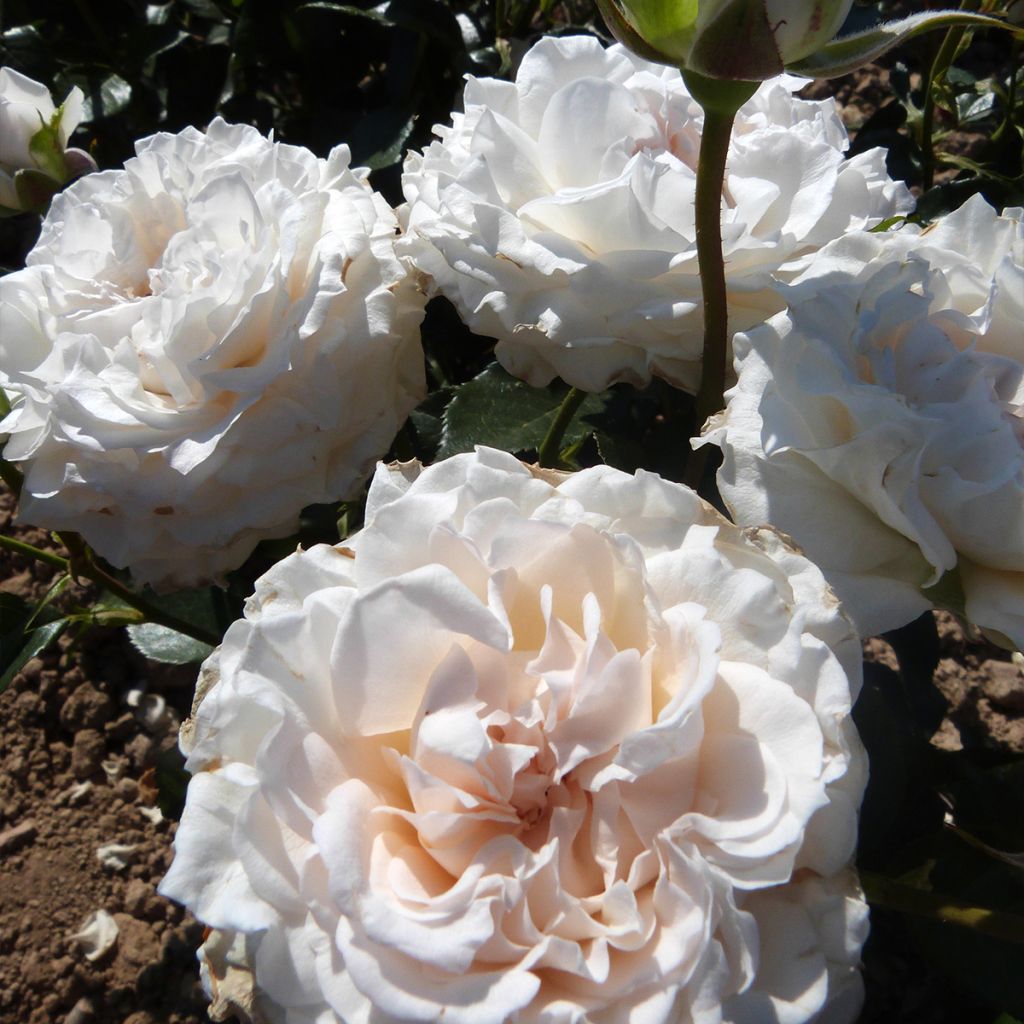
1011, 92
944, 57
21, 548
721, 101
550, 448
905, 899
82, 564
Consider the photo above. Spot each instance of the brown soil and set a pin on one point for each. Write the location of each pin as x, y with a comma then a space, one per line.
77, 774
983, 687
860, 95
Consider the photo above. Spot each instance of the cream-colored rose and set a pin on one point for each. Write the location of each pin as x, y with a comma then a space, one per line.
201, 345
557, 212
880, 422
534, 747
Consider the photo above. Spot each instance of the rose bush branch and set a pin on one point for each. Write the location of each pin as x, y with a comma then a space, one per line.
82, 564
548, 455
906, 899
941, 63
19, 547
720, 102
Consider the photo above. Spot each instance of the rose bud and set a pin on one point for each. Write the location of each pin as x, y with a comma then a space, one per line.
35, 160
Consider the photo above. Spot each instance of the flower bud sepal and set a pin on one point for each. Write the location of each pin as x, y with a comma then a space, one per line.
723, 96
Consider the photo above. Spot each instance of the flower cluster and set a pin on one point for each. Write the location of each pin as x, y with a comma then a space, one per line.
886, 407
531, 746
608, 773
201, 345
557, 212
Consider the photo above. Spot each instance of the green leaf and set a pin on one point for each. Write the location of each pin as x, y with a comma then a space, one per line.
205, 9
370, 14
988, 803
154, 39
56, 588
23, 47
379, 138
498, 410
623, 453
431, 18
985, 963
426, 422
971, 107
851, 52
198, 607
960, 77
205, 608
159, 643
18, 643
394, 151
158, 14
887, 225
35, 643
103, 97
944, 199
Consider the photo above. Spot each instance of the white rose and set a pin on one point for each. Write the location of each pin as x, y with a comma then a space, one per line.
26, 109
536, 747
557, 212
880, 422
202, 344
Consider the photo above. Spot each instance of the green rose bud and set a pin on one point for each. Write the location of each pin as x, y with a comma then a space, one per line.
743, 39
35, 161
751, 40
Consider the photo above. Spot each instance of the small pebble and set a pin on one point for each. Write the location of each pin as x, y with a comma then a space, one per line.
83, 1012
87, 753
12, 839
1004, 686
116, 856
97, 934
